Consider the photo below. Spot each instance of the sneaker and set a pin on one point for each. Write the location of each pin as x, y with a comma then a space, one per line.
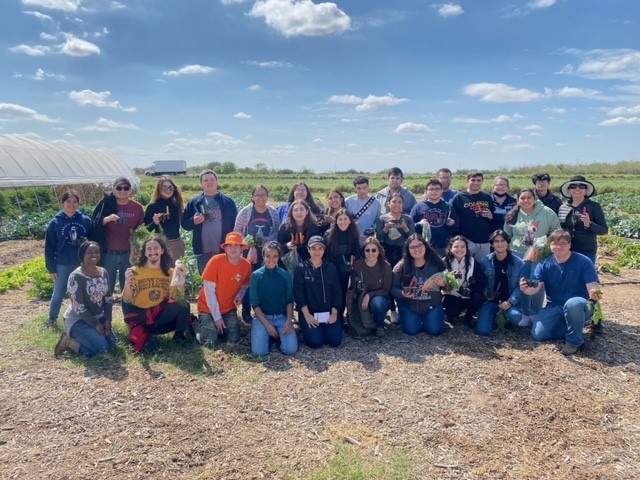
569, 350
525, 321
394, 318
380, 332
66, 344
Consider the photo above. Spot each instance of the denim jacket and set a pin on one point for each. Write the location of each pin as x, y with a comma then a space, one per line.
514, 272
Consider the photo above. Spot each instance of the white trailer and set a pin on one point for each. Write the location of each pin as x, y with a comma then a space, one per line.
167, 167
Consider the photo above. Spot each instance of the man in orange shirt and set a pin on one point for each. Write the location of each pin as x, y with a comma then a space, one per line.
225, 280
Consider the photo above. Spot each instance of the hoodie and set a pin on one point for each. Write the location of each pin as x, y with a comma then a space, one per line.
63, 238
541, 222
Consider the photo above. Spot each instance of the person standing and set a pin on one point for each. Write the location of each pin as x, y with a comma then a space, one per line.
87, 321
65, 233
444, 176
434, 218
394, 185
582, 217
542, 182
113, 222
474, 209
364, 209
570, 280
164, 213
210, 216
225, 280
150, 289
316, 291
299, 191
502, 200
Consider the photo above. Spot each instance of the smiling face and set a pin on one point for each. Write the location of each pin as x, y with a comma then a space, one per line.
445, 179
153, 251
334, 201
260, 197
526, 201
343, 221
578, 192
459, 249
209, 184
434, 192
271, 257
299, 213
396, 204
300, 193
91, 255
166, 189
371, 253
417, 250
500, 245
70, 206
474, 184
122, 192
500, 186
234, 253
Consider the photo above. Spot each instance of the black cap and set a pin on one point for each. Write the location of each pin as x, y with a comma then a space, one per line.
120, 180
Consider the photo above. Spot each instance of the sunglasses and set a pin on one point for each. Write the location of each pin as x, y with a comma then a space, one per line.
370, 250
123, 187
581, 186
168, 188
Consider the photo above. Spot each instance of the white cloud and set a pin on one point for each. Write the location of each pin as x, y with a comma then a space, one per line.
369, 103
270, 64
446, 10
118, 6
507, 138
76, 47
532, 128
106, 125
64, 5
410, 127
42, 75
221, 139
483, 142
618, 121
624, 111
47, 37
573, 92
613, 64
232, 2
499, 119
442, 140
554, 110
349, 120
242, 116
254, 88
13, 112
89, 98
302, 17
518, 146
189, 70
38, 15
31, 50
538, 4
500, 93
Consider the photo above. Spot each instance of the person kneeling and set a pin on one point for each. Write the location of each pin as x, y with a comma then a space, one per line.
503, 271
318, 296
225, 280
87, 321
153, 309
570, 280
271, 294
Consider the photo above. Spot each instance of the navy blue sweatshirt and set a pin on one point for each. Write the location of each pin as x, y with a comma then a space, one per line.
63, 238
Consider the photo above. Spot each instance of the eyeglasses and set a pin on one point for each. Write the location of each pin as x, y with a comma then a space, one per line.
559, 244
419, 246
168, 188
370, 250
123, 187
581, 186
434, 189
260, 195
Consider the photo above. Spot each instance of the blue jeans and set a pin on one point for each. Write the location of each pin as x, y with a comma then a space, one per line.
91, 341
116, 263
59, 290
379, 306
431, 321
487, 315
323, 334
260, 336
562, 321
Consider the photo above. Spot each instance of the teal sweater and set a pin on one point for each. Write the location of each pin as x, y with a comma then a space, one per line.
271, 290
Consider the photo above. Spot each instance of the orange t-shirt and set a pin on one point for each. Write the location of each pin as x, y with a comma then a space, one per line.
228, 279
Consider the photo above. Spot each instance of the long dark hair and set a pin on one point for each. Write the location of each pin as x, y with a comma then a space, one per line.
353, 235
512, 217
165, 259
309, 222
327, 211
448, 258
176, 197
430, 256
313, 206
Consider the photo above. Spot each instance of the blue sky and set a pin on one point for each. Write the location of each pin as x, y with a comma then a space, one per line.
364, 84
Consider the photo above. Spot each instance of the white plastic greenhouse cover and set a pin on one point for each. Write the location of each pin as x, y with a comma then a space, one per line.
26, 162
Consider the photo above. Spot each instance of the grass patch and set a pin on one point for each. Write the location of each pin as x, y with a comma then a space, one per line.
349, 464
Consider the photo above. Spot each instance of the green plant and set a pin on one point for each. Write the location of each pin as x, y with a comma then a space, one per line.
347, 464
16, 277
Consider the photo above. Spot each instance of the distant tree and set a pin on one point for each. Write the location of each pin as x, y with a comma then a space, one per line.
261, 168
215, 166
227, 168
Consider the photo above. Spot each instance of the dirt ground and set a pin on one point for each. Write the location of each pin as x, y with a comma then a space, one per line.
459, 406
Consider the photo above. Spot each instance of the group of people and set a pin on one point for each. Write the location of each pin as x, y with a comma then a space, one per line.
365, 261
